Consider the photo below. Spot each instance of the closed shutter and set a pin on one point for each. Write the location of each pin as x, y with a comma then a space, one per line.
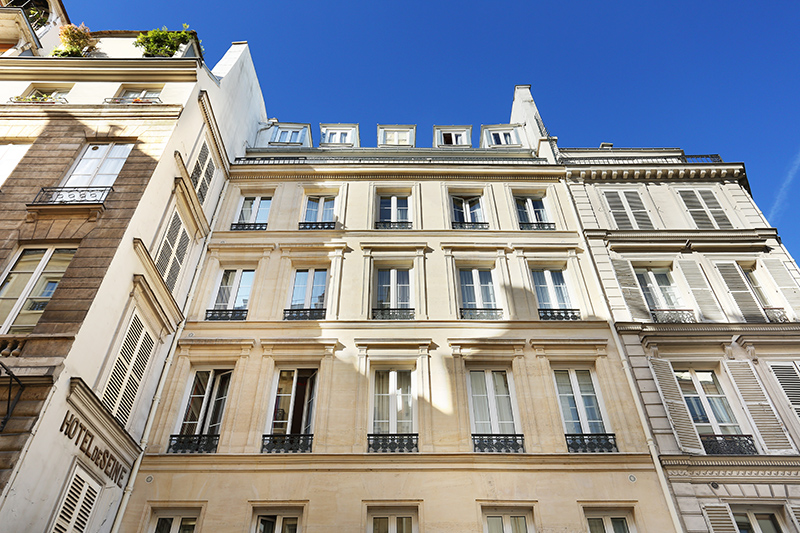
785, 282
203, 172
755, 400
129, 368
703, 295
208, 176
76, 508
719, 518
795, 515
618, 210
631, 290
716, 210
740, 291
696, 210
170, 257
639, 212
786, 374
677, 412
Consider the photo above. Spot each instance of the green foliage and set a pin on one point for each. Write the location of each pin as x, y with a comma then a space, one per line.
75, 41
162, 42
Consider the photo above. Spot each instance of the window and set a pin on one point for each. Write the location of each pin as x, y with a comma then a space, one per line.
507, 521
175, 524
584, 428
319, 213
740, 284
44, 94
141, 96
755, 522
75, 510
662, 296
468, 213
10, 156
274, 523
492, 409
233, 296
502, 137
393, 294
99, 165
199, 430
531, 213
393, 213
203, 172
170, 257
707, 403
608, 523
292, 420
393, 402
336, 137
477, 294
453, 138
29, 285
308, 295
628, 210
705, 210
396, 137
553, 296
253, 213
391, 520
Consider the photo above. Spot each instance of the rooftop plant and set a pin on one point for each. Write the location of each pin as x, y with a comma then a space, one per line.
161, 42
75, 41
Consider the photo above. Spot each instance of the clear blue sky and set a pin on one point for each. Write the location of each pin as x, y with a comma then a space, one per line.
708, 77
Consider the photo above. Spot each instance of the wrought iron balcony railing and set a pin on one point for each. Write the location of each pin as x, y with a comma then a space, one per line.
317, 225
394, 443
642, 160
226, 314
299, 443
470, 225
304, 314
673, 316
481, 314
529, 226
488, 443
591, 442
776, 314
729, 444
13, 398
135, 100
248, 226
71, 195
385, 224
33, 99
193, 444
384, 313
559, 314
36, 12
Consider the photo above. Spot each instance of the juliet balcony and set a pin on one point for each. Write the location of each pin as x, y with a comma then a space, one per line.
248, 226
71, 195
729, 444
673, 316
384, 313
470, 225
385, 224
490, 443
392, 443
126, 100
304, 314
559, 314
537, 226
226, 314
591, 442
298, 443
316, 225
471, 313
193, 444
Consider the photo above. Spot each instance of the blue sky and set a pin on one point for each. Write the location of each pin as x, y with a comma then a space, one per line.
708, 77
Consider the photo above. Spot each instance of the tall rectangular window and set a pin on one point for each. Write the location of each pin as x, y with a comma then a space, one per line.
175, 524
394, 289
468, 213
551, 289
477, 294
393, 402
233, 296
507, 521
580, 407
309, 288
394, 209
391, 520
319, 209
608, 523
628, 210
293, 411
492, 406
99, 165
707, 403
254, 210
205, 407
502, 137
277, 523
531, 213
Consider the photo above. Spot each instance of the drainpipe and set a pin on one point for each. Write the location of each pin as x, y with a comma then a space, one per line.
651, 446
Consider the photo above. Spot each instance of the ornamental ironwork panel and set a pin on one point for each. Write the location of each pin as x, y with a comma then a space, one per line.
559, 314
481, 314
384, 224
71, 195
489, 443
591, 442
304, 314
132, 100
729, 444
317, 225
673, 316
300, 443
248, 226
193, 443
470, 225
776, 314
394, 443
392, 314
226, 314
44, 99
528, 226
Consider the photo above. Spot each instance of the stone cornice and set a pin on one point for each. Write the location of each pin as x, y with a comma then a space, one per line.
138, 70
657, 172
156, 293
685, 240
84, 399
710, 333
425, 171
731, 468
136, 112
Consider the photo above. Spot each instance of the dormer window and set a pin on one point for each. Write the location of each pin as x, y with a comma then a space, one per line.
339, 135
335, 137
452, 136
396, 135
290, 135
503, 135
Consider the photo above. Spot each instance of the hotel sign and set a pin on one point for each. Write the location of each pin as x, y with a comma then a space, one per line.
100, 454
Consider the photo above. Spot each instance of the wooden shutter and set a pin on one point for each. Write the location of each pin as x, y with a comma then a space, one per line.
795, 514
638, 210
740, 291
786, 374
701, 290
618, 210
170, 257
76, 508
677, 412
208, 176
129, 368
758, 406
716, 210
719, 518
785, 282
696, 210
631, 290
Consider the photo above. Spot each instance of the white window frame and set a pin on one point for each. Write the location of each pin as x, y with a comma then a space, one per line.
465, 201
392, 514
310, 398
144, 93
310, 287
211, 395
534, 215
101, 161
11, 154
739, 418
31, 284
397, 132
578, 397
506, 514
394, 289
607, 516
257, 203
286, 135
393, 209
321, 199
658, 294
49, 92
551, 288
393, 397
177, 516
507, 136
751, 517
492, 399
756, 287
476, 283
338, 132
234, 292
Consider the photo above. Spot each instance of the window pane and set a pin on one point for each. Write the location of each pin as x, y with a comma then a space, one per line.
518, 524
403, 392
596, 525
768, 523
560, 287
647, 289
187, 525
385, 209
299, 292
42, 290
620, 525
381, 414
569, 408
289, 525
480, 402
538, 209
318, 290
475, 213
590, 404
380, 524
384, 288
263, 210
247, 210
195, 404
505, 416
312, 207
403, 289
163, 525
225, 288
458, 210
487, 288
295, 136
467, 289
327, 210
522, 210
495, 524
283, 402
403, 524
542, 292
668, 291
218, 405
266, 524
402, 209
243, 294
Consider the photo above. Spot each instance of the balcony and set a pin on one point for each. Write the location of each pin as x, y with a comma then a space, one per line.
226, 314
304, 314
642, 160
673, 316
71, 195
384, 313
470, 225
729, 444
395, 443
488, 443
392, 225
776, 315
36, 11
123, 100
193, 444
317, 225
559, 314
537, 226
300, 443
481, 314
33, 99
248, 226
591, 442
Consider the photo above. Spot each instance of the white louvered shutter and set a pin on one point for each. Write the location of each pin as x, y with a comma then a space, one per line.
617, 206
795, 514
172, 253
789, 380
740, 291
785, 282
770, 429
719, 518
631, 290
129, 368
715, 209
78, 503
675, 405
701, 290
203, 172
640, 215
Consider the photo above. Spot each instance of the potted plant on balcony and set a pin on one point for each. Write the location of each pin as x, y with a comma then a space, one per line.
161, 42
76, 41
